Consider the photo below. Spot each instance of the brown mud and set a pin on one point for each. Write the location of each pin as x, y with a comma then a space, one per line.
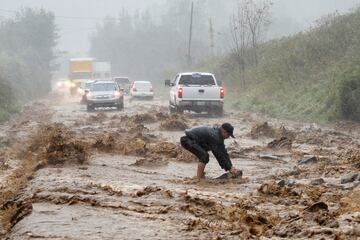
69, 174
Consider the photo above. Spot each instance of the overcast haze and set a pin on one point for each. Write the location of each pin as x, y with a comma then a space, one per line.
289, 16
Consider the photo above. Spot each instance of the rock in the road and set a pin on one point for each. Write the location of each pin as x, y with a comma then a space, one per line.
268, 156
352, 177
317, 207
316, 182
308, 160
286, 182
296, 171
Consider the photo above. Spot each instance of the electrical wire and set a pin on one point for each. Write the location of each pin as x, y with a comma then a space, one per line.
63, 17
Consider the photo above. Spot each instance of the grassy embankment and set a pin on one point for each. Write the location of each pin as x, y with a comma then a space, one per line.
311, 76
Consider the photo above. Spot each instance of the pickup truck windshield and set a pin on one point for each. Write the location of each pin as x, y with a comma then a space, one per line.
197, 80
123, 80
103, 87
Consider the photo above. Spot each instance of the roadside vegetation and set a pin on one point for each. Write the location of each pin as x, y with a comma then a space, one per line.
312, 76
27, 41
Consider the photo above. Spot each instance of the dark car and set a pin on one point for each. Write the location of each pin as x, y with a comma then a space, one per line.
123, 83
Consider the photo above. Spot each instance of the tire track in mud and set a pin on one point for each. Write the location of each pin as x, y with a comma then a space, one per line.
140, 185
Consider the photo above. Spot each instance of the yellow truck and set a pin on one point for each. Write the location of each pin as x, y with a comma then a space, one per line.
81, 70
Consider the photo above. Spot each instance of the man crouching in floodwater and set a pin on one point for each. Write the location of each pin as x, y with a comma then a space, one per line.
200, 140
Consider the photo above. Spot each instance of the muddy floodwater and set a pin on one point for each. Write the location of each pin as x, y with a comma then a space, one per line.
66, 173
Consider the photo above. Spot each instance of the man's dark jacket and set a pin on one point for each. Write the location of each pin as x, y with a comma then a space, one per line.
210, 139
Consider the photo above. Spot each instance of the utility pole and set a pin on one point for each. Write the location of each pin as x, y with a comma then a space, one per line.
211, 32
190, 35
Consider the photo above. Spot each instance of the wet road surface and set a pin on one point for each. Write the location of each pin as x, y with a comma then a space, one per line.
123, 175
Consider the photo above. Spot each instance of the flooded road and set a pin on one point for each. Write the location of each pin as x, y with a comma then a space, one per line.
69, 174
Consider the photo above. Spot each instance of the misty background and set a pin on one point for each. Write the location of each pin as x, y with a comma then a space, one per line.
312, 43
77, 19
80, 22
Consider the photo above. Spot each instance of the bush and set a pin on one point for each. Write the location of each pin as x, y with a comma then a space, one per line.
301, 77
349, 95
25, 58
6, 100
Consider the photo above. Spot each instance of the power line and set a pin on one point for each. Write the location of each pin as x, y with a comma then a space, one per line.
63, 17
4, 10
90, 18
190, 34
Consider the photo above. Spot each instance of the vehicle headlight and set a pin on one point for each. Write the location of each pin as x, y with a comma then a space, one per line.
72, 84
80, 91
58, 84
116, 94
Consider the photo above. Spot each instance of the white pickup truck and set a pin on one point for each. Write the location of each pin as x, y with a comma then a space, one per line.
195, 91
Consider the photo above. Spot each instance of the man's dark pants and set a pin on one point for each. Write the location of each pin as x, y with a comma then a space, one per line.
193, 147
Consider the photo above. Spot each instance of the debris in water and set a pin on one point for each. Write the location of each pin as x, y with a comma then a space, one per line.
283, 142
308, 160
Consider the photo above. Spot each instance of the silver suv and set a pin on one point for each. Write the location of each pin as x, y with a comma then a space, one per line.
104, 94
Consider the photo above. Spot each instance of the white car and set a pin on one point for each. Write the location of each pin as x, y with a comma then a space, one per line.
124, 83
142, 89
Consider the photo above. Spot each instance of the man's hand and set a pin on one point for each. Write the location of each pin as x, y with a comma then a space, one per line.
235, 172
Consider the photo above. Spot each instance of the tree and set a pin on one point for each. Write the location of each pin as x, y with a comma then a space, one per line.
27, 52
143, 46
247, 27
257, 19
240, 37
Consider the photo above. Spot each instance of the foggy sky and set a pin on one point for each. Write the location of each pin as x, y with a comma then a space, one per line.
74, 33
291, 15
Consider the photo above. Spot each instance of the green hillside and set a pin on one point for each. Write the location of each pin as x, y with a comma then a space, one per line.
312, 76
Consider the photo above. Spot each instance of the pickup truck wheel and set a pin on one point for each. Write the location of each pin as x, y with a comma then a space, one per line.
120, 106
172, 109
83, 100
179, 110
90, 108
